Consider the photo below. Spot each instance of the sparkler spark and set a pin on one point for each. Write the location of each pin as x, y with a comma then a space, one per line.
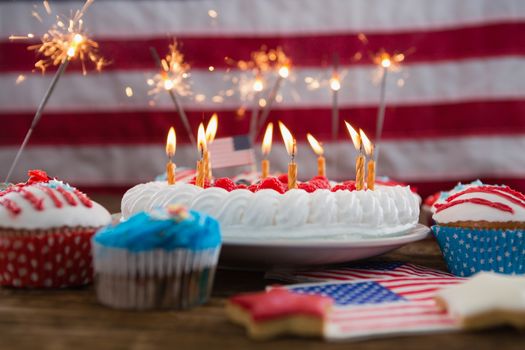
174, 75
66, 39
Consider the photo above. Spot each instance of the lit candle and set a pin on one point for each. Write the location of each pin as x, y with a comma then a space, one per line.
360, 161
266, 148
258, 86
211, 130
371, 167
171, 145
291, 148
201, 145
318, 149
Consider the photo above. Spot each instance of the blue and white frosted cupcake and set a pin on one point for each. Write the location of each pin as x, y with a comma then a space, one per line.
482, 228
165, 259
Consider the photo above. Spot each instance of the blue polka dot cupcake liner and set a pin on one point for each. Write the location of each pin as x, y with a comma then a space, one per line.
468, 251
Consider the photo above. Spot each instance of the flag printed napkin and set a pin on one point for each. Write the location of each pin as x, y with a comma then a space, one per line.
377, 299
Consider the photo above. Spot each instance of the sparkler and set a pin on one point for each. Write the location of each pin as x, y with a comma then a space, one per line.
335, 86
173, 79
261, 63
386, 62
66, 40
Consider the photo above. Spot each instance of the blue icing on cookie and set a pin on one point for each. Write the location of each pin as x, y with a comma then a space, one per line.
143, 231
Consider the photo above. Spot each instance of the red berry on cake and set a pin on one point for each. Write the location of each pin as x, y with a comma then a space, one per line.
225, 183
307, 186
283, 178
272, 183
253, 188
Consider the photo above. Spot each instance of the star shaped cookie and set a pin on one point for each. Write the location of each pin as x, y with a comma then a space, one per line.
486, 300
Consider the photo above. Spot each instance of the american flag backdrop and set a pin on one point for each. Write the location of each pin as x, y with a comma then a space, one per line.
456, 110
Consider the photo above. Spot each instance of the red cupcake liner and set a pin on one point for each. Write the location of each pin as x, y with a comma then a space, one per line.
46, 259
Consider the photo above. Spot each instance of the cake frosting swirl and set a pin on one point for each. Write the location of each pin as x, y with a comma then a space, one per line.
295, 214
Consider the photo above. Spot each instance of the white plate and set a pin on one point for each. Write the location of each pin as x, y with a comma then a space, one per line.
237, 253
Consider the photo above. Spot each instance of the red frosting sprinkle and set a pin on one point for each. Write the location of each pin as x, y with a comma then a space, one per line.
280, 302
37, 203
67, 196
479, 201
36, 176
83, 199
11, 206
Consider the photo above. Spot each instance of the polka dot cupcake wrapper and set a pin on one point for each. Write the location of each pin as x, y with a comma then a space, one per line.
468, 251
53, 260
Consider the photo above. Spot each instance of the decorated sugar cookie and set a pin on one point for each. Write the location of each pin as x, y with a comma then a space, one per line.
279, 311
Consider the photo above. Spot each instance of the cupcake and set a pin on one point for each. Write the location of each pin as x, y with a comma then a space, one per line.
165, 259
482, 228
45, 233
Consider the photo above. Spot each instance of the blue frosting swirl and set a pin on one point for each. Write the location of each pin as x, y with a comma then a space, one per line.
144, 231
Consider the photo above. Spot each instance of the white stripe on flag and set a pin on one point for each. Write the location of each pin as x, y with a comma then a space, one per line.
241, 17
487, 79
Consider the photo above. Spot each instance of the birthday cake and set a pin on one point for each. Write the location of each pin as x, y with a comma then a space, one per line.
268, 210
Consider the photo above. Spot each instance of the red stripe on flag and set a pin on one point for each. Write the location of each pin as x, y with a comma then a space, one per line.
305, 50
140, 127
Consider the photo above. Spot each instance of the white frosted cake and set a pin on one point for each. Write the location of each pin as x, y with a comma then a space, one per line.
293, 214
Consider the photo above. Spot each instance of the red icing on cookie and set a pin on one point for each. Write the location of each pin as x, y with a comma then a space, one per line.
479, 201
503, 192
11, 206
279, 303
83, 199
67, 196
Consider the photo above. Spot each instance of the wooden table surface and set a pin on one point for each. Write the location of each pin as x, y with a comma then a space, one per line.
72, 319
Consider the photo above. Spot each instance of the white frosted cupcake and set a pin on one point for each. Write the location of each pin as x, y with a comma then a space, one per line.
45, 231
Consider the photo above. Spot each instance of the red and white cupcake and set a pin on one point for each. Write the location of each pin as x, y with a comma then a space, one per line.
45, 231
482, 228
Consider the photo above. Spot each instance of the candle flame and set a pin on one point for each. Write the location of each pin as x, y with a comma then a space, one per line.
335, 83
267, 140
356, 139
211, 128
201, 139
316, 146
284, 71
171, 143
367, 144
289, 141
258, 85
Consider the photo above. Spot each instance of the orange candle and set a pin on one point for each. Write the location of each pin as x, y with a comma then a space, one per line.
266, 148
318, 149
211, 131
171, 144
201, 145
291, 148
371, 167
360, 161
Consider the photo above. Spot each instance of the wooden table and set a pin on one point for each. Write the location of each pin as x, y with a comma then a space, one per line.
72, 319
